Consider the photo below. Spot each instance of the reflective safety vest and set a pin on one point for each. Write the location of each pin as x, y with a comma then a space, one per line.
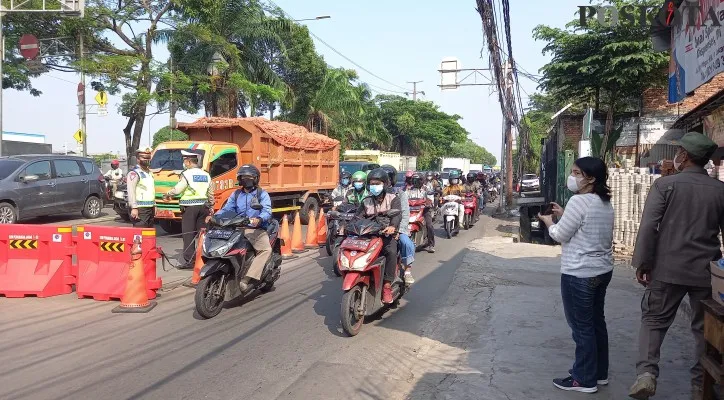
145, 189
197, 189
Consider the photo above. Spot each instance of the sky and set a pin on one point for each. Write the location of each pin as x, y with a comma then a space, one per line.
398, 41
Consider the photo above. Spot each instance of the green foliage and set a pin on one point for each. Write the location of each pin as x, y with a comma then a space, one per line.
167, 134
471, 150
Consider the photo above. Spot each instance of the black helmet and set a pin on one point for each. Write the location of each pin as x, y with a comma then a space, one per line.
379, 174
344, 175
471, 176
416, 180
248, 170
391, 172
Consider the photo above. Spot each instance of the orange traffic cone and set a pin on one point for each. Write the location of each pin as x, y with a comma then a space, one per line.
135, 297
297, 244
311, 242
322, 230
286, 240
198, 263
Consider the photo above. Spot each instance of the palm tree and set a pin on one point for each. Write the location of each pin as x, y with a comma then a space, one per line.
337, 103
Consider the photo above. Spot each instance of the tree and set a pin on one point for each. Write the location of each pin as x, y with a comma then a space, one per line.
471, 150
595, 63
166, 134
337, 105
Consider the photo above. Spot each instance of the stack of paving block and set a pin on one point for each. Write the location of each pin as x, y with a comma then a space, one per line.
629, 188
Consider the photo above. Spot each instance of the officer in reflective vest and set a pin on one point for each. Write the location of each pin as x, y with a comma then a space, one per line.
142, 191
197, 202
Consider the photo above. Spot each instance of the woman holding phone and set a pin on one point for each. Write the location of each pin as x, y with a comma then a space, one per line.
585, 231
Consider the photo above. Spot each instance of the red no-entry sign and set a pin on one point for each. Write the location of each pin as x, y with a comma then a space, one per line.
29, 46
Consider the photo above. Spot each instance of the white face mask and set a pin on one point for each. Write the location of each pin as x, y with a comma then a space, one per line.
573, 184
677, 164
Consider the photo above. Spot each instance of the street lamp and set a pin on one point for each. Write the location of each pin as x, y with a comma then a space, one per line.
313, 19
149, 129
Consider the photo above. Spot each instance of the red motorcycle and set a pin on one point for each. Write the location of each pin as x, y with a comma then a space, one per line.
470, 202
362, 270
418, 233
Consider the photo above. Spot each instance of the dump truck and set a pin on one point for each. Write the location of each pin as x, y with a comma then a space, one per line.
299, 169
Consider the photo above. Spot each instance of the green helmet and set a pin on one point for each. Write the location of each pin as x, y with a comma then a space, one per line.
454, 174
359, 176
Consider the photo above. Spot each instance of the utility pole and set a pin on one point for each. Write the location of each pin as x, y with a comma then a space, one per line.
508, 134
414, 90
81, 107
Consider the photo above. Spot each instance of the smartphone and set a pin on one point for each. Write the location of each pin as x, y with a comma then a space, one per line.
548, 210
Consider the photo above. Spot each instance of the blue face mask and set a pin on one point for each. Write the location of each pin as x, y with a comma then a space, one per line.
359, 185
376, 190
345, 181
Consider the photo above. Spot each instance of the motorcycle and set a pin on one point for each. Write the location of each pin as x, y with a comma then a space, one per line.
362, 270
449, 211
492, 193
418, 233
471, 209
227, 256
120, 201
336, 222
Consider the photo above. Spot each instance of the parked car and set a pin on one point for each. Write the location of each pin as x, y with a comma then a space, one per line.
49, 184
529, 183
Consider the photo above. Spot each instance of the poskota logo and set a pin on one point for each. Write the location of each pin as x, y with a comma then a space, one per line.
689, 14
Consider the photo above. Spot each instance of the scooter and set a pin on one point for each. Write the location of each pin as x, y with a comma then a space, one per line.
336, 222
362, 270
470, 214
227, 256
449, 211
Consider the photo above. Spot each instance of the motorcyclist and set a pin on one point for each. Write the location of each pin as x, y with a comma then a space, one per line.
241, 202
473, 186
408, 179
483, 197
418, 191
406, 247
457, 189
115, 174
437, 178
358, 191
341, 189
382, 199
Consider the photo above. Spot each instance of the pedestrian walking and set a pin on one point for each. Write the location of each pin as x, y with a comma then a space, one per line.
197, 202
585, 231
682, 217
142, 190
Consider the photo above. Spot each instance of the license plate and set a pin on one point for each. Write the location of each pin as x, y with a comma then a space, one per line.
450, 218
219, 234
164, 213
356, 244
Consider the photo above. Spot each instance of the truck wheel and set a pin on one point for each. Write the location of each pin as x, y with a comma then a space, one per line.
311, 204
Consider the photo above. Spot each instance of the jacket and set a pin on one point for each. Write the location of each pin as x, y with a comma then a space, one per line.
240, 202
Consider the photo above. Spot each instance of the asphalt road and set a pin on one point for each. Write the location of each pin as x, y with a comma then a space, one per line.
285, 344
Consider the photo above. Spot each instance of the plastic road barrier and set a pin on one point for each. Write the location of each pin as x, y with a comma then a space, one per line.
35, 260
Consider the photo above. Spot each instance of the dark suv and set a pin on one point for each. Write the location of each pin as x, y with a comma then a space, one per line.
48, 184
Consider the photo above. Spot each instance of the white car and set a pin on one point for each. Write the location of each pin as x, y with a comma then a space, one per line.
530, 183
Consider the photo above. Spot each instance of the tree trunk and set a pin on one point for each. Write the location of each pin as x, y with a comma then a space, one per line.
608, 126
598, 99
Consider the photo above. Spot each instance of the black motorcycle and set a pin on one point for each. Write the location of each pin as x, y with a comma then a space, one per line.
336, 222
227, 256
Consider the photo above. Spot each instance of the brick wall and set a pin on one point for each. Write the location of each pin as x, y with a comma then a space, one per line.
655, 100
572, 128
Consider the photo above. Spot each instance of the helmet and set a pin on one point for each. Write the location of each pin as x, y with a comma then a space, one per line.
344, 175
115, 163
470, 177
379, 174
248, 170
436, 174
391, 172
359, 176
428, 175
480, 176
454, 174
416, 180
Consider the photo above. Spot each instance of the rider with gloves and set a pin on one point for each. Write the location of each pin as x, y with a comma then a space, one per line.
341, 189
381, 200
418, 191
407, 248
241, 202
457, 189
358, 191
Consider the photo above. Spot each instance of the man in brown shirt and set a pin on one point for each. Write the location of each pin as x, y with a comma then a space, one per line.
677, 239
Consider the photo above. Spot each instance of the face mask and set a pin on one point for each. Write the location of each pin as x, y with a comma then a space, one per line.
676, 163
345, 182
573, 183
144, 163
376, 190
358, 185
246, 183
429, 178
454, 181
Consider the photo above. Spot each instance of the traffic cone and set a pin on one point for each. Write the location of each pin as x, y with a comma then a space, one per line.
198, 263
286, 240
135, 297
311, 242
297, 244
322, 229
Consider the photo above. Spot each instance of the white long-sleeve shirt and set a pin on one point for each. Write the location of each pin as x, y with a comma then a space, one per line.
585, 232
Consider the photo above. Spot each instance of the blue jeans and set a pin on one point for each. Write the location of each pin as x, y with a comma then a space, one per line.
407, 250
583, 301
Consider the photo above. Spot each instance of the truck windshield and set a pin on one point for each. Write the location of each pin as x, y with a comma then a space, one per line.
7, 167
170, 159
352, 167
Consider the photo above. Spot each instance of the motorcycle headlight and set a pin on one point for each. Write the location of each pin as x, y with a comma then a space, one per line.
223, 249
343, 261
120, 195
360, 263
413, 218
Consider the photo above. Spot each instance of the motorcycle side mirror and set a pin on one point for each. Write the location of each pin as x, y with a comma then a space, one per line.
257, 207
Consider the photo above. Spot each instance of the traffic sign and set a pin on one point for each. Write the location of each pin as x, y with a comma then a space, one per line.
29, 47
102, 110
81, 93
78, 136
102, 98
